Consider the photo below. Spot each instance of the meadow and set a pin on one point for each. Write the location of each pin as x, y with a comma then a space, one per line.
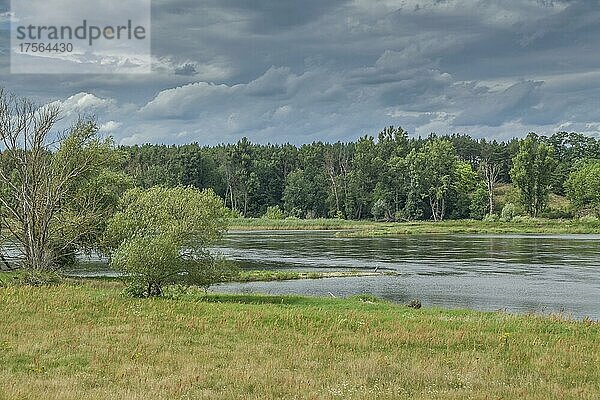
83, 339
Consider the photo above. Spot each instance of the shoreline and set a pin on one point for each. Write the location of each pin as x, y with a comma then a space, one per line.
347, 228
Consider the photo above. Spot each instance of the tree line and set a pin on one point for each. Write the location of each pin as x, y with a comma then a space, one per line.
385, 177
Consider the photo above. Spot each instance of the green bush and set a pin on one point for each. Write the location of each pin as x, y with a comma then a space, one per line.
37, 278
509, 211
583, 185
490, 218
589, 219
232, 213
273, 212
557, 214
522, 219
160, 237
379, 209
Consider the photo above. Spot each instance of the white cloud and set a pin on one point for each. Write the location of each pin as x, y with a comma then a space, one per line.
110, 126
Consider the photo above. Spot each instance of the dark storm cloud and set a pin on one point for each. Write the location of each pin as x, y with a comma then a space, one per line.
278, 70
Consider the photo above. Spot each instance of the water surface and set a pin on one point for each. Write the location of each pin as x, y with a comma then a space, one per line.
519, 273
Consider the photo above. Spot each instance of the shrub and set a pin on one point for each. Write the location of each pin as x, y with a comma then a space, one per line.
583, 185
379, 209
38, 278
589, 219
522, 219
233, 213
161, 236
490, 218
273, 212
557, 214
509, 211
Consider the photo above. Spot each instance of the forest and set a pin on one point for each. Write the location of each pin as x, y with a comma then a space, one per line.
390, 176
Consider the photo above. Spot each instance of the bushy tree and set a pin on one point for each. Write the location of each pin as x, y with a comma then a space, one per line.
479, 203
432, 172
464, 183
160, 236
509, 211
532, 172
583, 186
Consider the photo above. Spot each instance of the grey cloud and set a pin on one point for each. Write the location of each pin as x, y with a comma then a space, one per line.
295, 71
493, 109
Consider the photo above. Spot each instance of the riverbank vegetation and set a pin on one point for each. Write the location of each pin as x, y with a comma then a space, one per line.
87, 341
390, 177
267, 275
518, 224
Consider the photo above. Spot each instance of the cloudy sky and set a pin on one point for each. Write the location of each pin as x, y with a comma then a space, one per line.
298, 71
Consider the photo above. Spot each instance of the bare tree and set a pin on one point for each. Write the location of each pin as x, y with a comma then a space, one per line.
38, 171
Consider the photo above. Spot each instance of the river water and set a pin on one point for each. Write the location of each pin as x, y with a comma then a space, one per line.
517, 273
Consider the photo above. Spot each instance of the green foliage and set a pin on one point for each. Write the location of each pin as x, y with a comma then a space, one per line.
303, 198
57, 194
324, 180
160, 237
509, 211
583, 186
37, 278
589, 219
432, 174
273, 212
380, 209
465, 183
479, 203
532, 173
490, 218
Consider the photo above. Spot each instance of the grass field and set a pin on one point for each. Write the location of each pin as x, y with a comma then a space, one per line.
371, 228
86, 341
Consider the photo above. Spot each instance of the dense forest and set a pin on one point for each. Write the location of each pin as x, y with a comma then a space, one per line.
388, 177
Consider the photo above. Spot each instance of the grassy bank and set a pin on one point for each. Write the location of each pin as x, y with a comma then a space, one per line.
370, 228
87, 341
297, 224
538, 225
267, 276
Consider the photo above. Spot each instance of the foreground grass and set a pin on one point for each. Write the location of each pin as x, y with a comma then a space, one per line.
370, 228
87, 341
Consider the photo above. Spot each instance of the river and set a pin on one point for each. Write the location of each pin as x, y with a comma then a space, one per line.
516, 273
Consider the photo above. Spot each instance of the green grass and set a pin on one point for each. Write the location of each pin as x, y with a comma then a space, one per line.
297, 224
371, 228
77, 341
525, 225
266, 275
